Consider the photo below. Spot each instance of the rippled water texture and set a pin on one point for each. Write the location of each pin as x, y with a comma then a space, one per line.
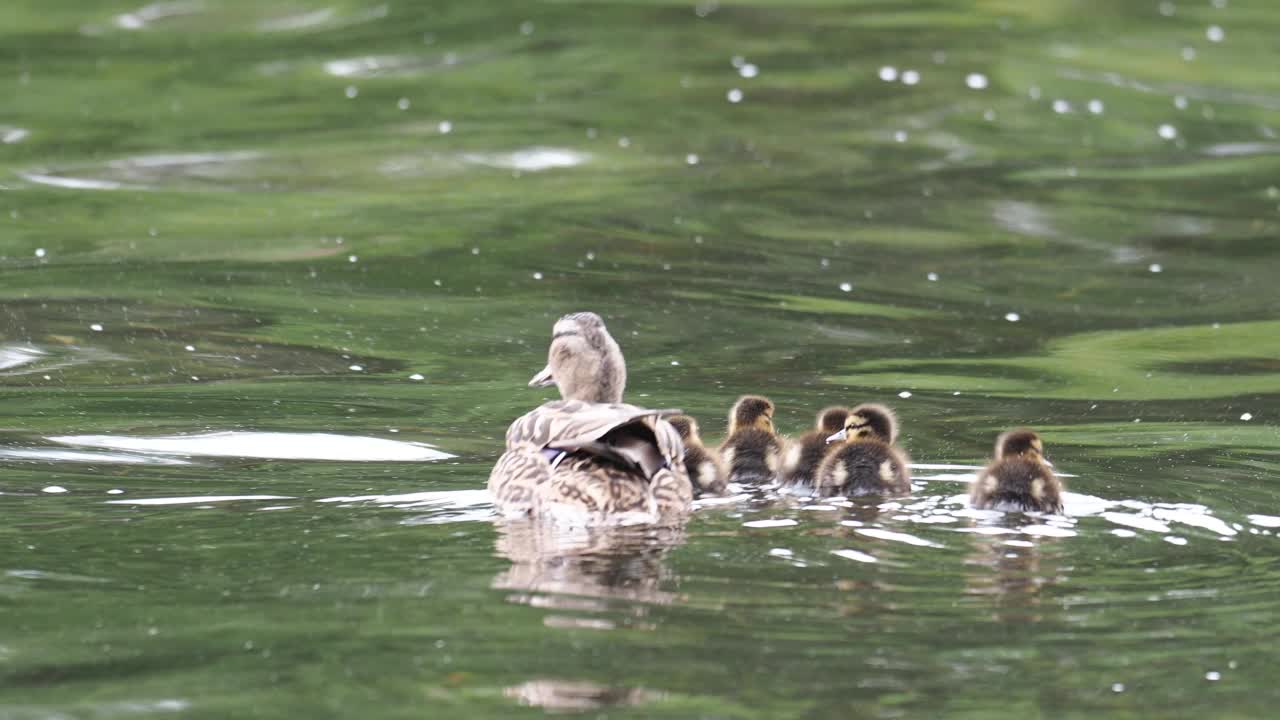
273, 275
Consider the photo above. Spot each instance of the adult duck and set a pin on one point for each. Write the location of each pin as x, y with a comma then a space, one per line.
588, 456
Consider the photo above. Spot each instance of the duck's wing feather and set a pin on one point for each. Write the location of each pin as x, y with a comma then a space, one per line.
573, 425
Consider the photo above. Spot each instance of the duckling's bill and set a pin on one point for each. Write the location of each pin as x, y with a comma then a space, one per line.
838, 437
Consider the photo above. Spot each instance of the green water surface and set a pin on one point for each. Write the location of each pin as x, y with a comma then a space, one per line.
360, 219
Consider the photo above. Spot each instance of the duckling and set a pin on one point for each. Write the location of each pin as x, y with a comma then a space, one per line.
800, 466
705, 469
1019, 478
752, 451
588, 453
868, 462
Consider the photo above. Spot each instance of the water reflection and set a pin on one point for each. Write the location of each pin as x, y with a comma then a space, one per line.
1011, 575
583, 568
578, 695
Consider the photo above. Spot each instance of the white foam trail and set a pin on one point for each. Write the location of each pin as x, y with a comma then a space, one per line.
80, 456
12, 356
897, 537
195, 499
1140, 522
533, 159
267, 446
454, 498
769, 523
70, 183
1267, 521
855, 556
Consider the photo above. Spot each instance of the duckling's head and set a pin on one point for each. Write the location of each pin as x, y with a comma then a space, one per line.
685, 425
832, 419
584, 361
751, 411
868, 422
1020, 443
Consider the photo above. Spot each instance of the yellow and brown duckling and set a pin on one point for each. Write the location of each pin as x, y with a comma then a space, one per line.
805, 454
752, 451
589, 453
706, 472
1019, 478
867, 461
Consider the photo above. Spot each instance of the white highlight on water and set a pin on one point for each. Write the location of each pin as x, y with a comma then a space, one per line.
267, 445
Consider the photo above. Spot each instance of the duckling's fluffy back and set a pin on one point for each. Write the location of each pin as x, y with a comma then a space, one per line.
751, 455
865, 467
1019, 484
804, 455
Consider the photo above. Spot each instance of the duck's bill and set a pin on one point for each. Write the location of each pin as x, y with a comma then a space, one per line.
838, 436
543, 379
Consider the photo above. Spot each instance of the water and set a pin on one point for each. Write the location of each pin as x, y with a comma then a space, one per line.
231, 231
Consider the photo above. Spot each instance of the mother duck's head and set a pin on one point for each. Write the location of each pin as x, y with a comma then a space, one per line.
584, 361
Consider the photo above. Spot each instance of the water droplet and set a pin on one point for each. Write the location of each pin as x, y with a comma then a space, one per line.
824, 263
910, 77
1211, 676
846, 287
352, 91
115, 491
1061, 107
933, 277
691, 159
675, 362
624, 142
1012, 317
96, 327
1188, 54
403, 103
537, 276
888, 73
526, 27
1117, 687
475, 251
1246, 417
40, 252
737, 61
190, 348
54, 489
900, 136
1215, 33
904, 394
1180, 102
445, 127
734, 95
989, 115
417, 376
1167, 131
353, 258
748, 71
1155, 267
356, 368
976, 81
1096, 107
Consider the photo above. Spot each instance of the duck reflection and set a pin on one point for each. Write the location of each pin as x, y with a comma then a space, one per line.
578, 695
586, 568
1011, 573
594, 577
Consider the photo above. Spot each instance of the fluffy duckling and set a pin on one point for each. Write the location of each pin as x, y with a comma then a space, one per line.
1019, 478
752, 451
705, 469
800, 465
589, 453
867, 462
